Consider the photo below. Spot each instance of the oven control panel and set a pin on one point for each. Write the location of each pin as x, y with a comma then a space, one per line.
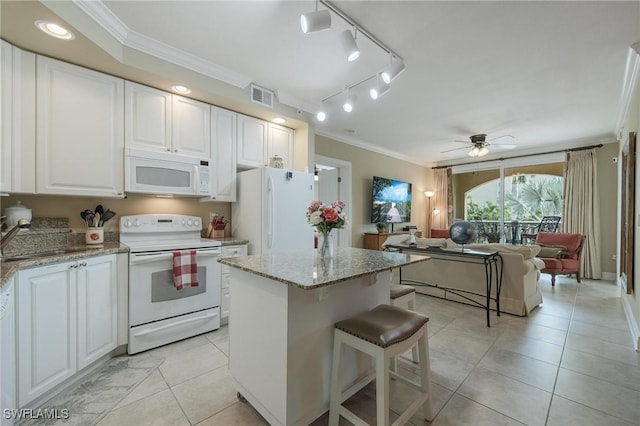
159, 223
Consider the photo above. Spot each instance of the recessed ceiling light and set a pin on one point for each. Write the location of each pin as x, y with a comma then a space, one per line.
181, 89
55, 30
279, 120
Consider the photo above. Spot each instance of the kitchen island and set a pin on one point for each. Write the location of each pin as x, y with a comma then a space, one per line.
283, 308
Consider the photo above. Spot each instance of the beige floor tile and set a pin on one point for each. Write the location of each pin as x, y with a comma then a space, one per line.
223, 345
192, 362
595, 393
177, 347
221, 334
461, 411
157, 410
536, 331
153, 384
533, 348
551, 321
568, 413
238, 414
522, 368
603, 349
206, 395
522, 402
447, 371
618, 373
465, 346
607, 334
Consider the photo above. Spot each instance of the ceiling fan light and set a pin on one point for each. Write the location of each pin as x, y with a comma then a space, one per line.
483, 151
475, 152
392, 71
312, 22
350, 46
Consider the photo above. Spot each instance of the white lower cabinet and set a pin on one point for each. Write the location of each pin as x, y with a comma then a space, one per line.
225, 302
67, 318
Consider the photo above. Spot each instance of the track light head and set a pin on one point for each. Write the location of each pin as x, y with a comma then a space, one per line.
312, 22
321, 116
392, 71
349, 44
379, 90
347, 106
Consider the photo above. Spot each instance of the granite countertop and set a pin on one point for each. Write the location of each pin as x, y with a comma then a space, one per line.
305, 270
63, 254
231, 241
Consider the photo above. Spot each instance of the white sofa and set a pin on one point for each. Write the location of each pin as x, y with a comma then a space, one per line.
521, 271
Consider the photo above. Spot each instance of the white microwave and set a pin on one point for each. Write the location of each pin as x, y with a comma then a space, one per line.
149, 172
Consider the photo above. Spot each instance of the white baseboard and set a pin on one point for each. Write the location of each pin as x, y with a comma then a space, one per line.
634, 327
609, 276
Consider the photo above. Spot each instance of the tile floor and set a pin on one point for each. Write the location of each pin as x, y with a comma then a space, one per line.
572, 362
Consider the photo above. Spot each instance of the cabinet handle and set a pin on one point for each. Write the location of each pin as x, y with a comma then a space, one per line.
83, 264
168, 149
175, 150
75, 265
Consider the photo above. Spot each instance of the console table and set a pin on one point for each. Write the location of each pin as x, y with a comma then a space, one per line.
491, 261
374, 240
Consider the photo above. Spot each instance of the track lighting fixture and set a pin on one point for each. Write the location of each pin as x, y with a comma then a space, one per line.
380, 89
347, 106
321, 116
349, 43
392, 71
312, 22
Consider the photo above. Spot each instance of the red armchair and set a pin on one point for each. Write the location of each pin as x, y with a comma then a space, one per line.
560, 253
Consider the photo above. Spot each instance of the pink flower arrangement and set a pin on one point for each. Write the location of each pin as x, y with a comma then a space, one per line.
326, 217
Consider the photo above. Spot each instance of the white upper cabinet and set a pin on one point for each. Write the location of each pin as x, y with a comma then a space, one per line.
80, 131
147, 118
191, 127
280, 143
252, 141
259, 140
223, 150
18, 135
160, 121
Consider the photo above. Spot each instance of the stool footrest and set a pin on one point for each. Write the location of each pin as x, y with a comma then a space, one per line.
404, 380
411, 410
361, 383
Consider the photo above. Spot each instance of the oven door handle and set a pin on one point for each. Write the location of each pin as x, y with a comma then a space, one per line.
139, 259
175, 324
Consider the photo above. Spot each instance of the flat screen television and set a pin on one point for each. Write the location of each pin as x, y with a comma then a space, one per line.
391, 201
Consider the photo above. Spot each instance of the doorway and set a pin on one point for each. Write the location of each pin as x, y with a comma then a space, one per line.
333, 182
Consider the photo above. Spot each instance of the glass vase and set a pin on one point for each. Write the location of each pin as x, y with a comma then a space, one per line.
325, 248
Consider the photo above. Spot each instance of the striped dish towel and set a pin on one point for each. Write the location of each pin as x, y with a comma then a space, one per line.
185, 269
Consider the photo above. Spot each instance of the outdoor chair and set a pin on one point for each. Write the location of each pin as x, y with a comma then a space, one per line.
560, 252
547, 224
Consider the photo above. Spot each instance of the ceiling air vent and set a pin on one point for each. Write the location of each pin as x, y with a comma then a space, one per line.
262, 96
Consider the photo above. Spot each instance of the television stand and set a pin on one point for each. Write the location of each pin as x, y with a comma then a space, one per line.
374, 241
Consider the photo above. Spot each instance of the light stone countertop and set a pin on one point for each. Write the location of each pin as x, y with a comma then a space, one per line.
9, 269
305, 270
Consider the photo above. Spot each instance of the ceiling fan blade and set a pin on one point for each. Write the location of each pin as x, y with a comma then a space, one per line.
503, 145
497, 138
454, 149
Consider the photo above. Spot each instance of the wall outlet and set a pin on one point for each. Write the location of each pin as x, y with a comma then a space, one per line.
613, 257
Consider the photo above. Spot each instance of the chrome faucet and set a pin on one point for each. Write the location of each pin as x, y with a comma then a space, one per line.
6, 239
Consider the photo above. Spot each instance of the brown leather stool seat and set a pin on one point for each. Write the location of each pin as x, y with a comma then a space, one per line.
399, 290
384, 325
383, 333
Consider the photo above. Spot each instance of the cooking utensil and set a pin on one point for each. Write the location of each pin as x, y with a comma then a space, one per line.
99, 209
96, 219
106, 216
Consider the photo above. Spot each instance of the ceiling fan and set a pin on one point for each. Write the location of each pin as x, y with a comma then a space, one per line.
479, 144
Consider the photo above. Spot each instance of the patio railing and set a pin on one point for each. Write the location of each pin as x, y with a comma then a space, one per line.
492, 232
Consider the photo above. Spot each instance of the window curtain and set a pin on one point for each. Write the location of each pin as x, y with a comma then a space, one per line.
443, 199
582, 208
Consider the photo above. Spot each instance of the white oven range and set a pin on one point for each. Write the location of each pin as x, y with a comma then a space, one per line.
158, 313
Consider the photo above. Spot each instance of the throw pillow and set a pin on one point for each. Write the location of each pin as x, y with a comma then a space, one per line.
551, 251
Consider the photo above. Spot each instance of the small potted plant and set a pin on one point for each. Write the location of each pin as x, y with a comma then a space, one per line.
381, 227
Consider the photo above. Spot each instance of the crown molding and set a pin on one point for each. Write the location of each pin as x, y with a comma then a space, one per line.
103, 16
632, 70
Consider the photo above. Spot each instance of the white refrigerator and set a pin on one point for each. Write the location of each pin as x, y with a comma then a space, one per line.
270, 210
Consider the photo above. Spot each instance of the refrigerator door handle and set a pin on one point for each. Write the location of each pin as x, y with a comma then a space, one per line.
270, 211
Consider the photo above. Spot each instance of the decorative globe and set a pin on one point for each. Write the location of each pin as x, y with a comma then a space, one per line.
462, 232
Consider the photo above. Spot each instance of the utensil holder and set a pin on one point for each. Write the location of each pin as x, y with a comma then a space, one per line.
94, 235
218, 233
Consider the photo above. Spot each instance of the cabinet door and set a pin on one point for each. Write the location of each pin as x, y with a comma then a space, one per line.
80, 131
223, 150
46, 307
18, 134
6, 85
191, 128
280, 143
225, 282
97, 308
148, 114
252, 141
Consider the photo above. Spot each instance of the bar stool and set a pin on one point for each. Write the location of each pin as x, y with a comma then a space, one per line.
383, 333
404, 295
